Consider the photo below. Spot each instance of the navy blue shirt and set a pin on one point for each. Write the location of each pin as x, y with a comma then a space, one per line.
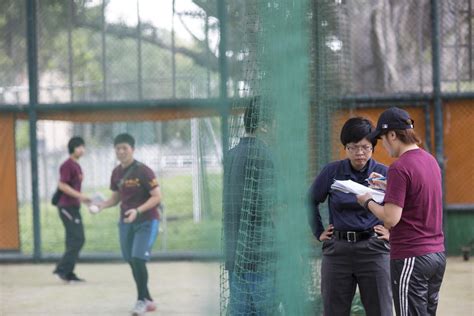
344, 211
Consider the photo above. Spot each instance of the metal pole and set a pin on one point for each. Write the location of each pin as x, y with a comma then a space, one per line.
438, 106
427, 111
224, 74
208, 59
457, 41
104, 65
173, 52
469, 39
323, 93
139, 53
33, 101
196, 178
420, 46
69, 49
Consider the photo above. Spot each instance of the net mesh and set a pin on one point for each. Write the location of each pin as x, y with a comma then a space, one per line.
268, 269
289, 61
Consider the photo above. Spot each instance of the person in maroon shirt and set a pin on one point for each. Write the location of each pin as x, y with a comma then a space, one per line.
413, 210
135, 186
69, 209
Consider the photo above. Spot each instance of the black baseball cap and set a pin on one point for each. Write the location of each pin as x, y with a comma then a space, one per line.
391, 119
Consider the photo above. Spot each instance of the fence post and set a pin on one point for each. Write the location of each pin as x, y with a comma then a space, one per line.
224, 73
33, 101
438, 105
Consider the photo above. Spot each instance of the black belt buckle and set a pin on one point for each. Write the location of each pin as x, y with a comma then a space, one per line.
351, 236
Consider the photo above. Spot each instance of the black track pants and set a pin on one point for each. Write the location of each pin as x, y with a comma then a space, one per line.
416, 282
71, 218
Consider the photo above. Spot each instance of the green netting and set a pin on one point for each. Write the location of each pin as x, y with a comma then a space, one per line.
288, 60
267, 245
293, 69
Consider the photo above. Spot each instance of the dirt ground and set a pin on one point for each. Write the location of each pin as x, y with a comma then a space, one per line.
179, 288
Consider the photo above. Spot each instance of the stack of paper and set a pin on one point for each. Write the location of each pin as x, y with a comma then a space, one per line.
349, 186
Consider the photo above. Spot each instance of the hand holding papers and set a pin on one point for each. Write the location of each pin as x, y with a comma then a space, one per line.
349, 186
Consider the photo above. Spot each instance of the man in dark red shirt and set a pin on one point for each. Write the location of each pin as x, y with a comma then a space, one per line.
134, 185
69, 209
413, 210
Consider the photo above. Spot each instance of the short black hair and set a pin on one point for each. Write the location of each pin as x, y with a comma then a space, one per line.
356, 129
124, 138
252, 116
75, 142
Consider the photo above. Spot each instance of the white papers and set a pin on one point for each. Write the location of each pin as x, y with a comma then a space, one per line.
349, 186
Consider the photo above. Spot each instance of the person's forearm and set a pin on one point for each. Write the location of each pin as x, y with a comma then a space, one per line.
389, 213
379, 212
114, 199
319, 226
68, 190
149, 204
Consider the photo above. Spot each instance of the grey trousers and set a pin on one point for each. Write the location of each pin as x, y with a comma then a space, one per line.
345, 265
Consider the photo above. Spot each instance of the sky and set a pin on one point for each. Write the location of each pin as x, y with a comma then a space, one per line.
160, 14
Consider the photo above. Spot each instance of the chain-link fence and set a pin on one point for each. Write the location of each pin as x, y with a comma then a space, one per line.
95, 52
160, 71
187, 165
110, 50
389, 46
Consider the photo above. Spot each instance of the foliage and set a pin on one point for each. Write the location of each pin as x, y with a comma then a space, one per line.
22, 135
78, 61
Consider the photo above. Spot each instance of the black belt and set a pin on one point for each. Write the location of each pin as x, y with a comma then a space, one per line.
353, 236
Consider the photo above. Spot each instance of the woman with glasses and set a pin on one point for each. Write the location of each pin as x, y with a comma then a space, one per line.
355, 244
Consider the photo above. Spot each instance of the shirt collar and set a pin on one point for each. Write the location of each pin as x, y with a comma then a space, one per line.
129, 166
348, 170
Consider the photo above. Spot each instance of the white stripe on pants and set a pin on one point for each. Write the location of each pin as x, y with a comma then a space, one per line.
404, 284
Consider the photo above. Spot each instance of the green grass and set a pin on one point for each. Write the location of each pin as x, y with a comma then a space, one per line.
101, 231
464, 86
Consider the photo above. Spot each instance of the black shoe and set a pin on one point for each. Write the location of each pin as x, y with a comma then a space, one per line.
62, 276
72, 277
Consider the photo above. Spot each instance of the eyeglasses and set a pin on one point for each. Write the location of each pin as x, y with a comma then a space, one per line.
355, 149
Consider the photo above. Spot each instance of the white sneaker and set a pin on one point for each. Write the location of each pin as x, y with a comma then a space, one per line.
139, 309
150, 306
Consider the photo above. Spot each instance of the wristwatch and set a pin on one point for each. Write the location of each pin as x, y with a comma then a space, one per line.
366, 203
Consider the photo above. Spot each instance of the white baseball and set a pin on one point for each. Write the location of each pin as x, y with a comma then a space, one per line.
94, 209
